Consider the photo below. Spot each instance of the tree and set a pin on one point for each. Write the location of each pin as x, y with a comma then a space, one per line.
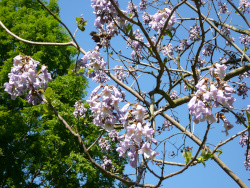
35, 148
198, 65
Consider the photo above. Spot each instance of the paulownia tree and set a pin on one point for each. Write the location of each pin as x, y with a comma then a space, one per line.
193, 56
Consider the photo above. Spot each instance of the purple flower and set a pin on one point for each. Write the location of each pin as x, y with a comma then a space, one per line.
147, 151
244, 6
223, 7
183, 45
174, 95
194, 33
168, 50
208, 50
245, 40
159, 19
80, 110
24, 76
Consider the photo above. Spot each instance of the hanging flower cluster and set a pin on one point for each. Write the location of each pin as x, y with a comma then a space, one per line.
194, 33
244, 141
138, 137
136, 44
208, 96
159, 19
95, 65
80, 110
106, 15
24, 76
105, 107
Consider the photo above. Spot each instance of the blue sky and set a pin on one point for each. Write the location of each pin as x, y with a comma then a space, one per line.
210, 176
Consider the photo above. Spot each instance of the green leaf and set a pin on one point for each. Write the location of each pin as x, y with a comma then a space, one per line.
248, 118
90, 70
128, 28
84, 23
48, 94
187, 155
81, 27
78, 19
71, 68
219, 152
169, 33
47, 110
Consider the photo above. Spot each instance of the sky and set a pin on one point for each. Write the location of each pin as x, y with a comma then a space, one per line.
199, 176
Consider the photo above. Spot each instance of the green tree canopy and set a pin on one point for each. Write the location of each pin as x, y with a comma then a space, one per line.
36, 150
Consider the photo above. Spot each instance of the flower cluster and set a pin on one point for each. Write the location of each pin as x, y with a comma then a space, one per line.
104, 144
208, 95
136, 44
120, 74
107, 164
95, 65
244, 6
241, 118
200, 62
244, 142
137, 141
174, 95
244, 75
245, 40
167, 124
106, 14
208, 50
146, 18
105, 107
159, 19
194, 33
223, 7
143, 5
132, 8
106, 112
226, 31
168, 50
104, 11
24, 76
242, 90
183, 45
80, 110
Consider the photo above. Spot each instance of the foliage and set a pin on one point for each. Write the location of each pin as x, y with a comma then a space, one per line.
35, 148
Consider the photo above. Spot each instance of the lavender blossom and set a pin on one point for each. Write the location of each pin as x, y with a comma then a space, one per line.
183, 45
80, 110
223, 7
104, 144
167, 124
244, 6
245, 40
168, 50
208, 50
107, 164
159, 19
24, 76
241, 118
95, 65
174, 95
120, 73
136, 44
242, 90
194, 33
147, 18
143, 5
